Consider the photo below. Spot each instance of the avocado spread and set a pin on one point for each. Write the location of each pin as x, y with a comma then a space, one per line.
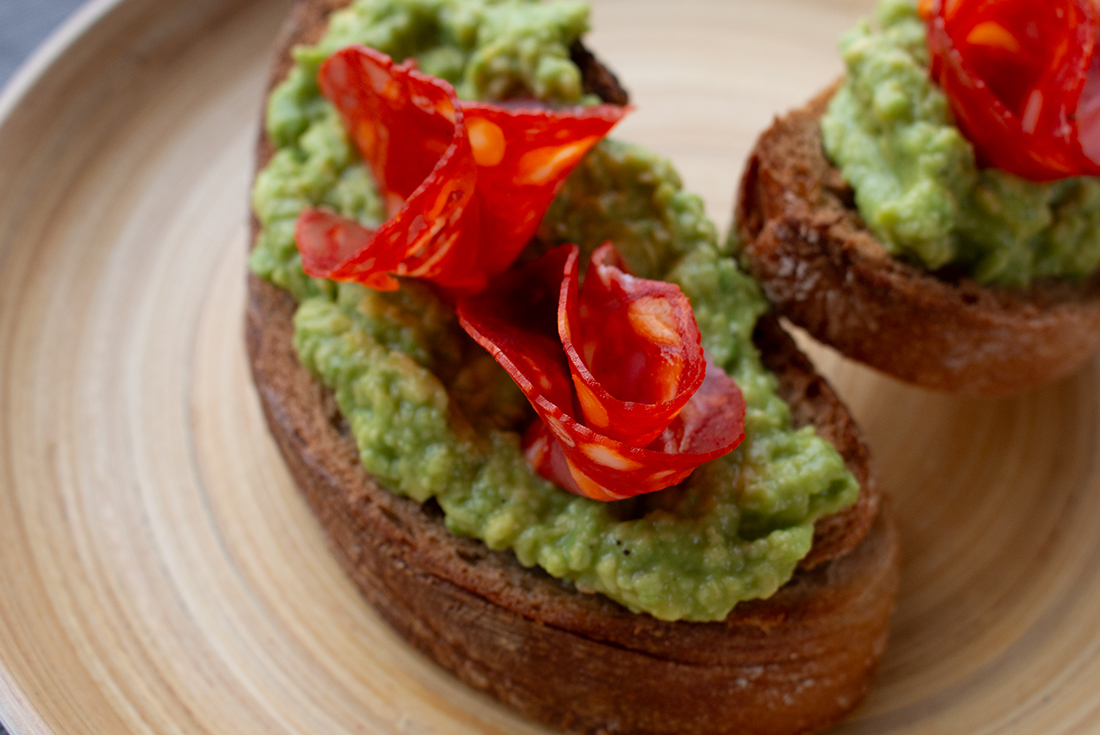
433, 414
889, 129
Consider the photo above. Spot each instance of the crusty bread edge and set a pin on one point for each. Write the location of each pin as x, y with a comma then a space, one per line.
574, 661
824, 270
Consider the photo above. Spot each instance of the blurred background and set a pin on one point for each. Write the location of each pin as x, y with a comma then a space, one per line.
24, 24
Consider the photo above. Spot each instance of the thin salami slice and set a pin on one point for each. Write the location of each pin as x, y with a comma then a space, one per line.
518, 318
1016, 74
633, 347
523, 155
465, 184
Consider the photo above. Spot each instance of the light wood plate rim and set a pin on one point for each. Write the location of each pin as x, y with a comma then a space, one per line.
965, 680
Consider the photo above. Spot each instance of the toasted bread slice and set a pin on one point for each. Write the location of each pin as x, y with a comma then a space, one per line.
575, 661
803, 239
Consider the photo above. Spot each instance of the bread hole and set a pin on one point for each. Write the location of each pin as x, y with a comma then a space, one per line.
954, 274
431, 508
847, 197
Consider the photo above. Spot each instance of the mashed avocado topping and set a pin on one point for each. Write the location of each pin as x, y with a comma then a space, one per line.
433, 414
890, 131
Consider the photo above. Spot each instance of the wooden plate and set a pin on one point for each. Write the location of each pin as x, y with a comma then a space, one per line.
159, 572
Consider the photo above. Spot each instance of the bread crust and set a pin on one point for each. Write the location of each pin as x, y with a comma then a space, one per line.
796, 663
804, 240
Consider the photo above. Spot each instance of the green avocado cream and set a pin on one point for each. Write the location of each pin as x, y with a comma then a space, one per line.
436, 417
890, 131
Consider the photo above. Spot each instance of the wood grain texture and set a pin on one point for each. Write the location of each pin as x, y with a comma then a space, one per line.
160, 572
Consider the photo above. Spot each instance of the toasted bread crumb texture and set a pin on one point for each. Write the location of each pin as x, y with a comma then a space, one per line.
890, 131
435, 417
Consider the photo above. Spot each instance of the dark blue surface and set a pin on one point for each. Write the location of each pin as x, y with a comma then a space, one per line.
23, 25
